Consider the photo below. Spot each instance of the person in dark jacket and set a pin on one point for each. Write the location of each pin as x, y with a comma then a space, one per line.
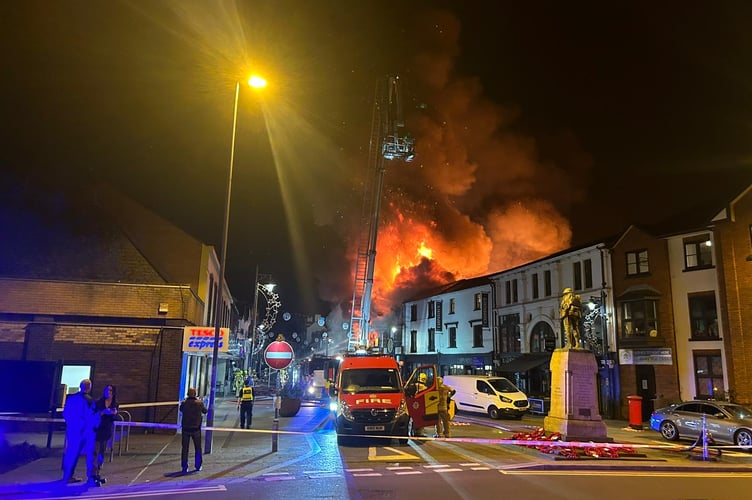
80, 421
192, 410
106, 407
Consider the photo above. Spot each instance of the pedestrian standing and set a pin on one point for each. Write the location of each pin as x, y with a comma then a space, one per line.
192, 410
106, 407
245, 404
80, 421
445, 392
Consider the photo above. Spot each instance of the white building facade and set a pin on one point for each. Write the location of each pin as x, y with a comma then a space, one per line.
700, 354
451, 327
526, 316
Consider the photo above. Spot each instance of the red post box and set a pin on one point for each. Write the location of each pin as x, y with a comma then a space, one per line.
635, 411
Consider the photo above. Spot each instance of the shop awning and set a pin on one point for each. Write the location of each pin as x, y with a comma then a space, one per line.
526, 362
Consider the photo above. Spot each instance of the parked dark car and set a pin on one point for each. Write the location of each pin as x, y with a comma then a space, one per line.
727, 423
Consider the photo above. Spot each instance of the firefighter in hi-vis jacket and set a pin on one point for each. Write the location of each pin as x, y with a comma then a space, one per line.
245, 404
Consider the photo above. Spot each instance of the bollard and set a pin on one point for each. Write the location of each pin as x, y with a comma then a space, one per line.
704, 439
275, 423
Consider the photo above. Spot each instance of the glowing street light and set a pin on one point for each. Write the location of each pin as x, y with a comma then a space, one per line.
255, 82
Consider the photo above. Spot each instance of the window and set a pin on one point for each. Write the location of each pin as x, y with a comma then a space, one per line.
703, 316
515, 297
709, 374
639, 318
509, 333
431, 309
431, 339
477, 302
413, 341
483, 387
698, 253
478, 335
547, 283
508, 297
637, 263
588, 269
452, 336
414, 312
577, 274
451, 306
536, 291
543, 338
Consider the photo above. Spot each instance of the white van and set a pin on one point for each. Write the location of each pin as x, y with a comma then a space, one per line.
495, 396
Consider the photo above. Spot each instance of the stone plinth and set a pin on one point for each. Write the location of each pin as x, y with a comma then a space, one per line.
574, 397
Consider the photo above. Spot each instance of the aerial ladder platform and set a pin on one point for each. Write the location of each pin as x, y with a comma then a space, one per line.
388, 142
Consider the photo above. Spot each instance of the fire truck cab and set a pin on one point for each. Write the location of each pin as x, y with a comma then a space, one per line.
370, 398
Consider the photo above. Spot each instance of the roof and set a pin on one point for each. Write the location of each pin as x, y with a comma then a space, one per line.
454, 286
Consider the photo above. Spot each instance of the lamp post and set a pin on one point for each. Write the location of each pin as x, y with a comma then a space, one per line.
255, 82
598, 342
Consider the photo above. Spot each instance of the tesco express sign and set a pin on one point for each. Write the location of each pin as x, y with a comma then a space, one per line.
201, 339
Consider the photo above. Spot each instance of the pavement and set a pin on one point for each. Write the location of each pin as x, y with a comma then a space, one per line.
147, 456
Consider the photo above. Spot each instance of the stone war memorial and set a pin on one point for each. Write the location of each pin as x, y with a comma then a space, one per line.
574, 400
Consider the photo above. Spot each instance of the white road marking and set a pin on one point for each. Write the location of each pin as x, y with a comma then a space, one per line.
142, 494
150, 462
570, 472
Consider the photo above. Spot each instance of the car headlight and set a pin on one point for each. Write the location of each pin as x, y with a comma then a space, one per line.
344, 410
505, 399
402, 409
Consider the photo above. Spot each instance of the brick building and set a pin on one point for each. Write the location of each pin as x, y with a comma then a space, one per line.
92, 280
733, 238
645, 337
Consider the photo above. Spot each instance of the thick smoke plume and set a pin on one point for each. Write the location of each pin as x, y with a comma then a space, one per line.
479, 198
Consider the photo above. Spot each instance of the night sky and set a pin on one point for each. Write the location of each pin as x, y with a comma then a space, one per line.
539, 124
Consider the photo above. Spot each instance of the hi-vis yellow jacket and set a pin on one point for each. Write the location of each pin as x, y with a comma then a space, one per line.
246, 394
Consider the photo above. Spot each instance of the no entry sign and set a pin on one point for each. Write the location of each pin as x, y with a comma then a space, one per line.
278, 355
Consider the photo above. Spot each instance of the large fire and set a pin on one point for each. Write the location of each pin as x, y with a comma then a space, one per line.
479, 197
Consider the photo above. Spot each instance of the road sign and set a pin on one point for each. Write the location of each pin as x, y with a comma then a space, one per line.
278, 355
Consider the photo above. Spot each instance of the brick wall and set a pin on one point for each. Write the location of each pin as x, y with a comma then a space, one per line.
48, 297
732, 238
113, 327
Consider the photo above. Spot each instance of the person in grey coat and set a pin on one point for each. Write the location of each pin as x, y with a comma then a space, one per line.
192, 410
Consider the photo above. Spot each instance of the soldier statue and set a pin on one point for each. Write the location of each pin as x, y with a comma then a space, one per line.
570, 312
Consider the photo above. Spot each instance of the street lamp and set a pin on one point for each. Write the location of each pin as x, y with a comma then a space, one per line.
255, 82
